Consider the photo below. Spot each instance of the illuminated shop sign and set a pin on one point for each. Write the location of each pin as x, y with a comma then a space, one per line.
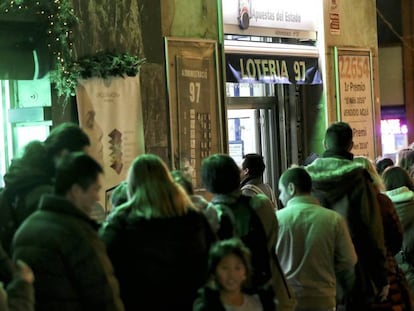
272, 69
393, 126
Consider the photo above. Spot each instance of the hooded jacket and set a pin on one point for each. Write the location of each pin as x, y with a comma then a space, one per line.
403, 200
346, 187
25, 183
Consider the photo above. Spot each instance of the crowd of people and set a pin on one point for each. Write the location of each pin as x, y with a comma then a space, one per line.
339, 237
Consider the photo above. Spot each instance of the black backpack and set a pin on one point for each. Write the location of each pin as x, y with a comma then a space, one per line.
241, 220
8, 219
14, 209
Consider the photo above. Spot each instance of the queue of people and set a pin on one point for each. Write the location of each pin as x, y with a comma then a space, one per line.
338, 239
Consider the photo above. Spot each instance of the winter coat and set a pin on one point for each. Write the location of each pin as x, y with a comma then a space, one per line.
159, 262
403, 200
346, 187
25, 183
71, 267
399, 297
209, 300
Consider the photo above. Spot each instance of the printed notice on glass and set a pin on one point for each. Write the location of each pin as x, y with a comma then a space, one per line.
356, 102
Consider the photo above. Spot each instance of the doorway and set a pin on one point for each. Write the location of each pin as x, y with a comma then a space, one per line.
267, 119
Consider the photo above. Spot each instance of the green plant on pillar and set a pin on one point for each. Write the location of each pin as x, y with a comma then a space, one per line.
103, 64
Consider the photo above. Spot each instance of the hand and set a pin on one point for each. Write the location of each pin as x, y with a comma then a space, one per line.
383, 294
24, 272
3, 293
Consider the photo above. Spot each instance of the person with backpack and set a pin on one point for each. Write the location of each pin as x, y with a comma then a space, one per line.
251, 184
252, 219
32, 175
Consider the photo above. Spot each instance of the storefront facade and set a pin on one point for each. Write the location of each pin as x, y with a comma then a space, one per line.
273, 80
283, 71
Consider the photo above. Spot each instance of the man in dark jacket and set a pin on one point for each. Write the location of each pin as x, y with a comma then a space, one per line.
346, 187
60, 243
31, 176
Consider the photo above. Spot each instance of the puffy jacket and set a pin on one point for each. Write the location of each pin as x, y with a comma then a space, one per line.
72, 270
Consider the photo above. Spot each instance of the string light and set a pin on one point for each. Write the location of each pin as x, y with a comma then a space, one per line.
60, 17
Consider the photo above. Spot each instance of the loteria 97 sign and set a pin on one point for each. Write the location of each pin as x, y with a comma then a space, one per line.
244, 68
355, 98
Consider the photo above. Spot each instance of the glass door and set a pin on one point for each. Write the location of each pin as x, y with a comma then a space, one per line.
268, 122
249, 132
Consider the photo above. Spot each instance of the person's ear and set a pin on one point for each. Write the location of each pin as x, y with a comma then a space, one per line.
291, 188
74, 190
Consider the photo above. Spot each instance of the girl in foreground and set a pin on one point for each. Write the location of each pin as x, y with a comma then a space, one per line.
230, 270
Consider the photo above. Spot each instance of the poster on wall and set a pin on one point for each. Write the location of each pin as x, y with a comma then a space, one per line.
355, 98
194, 104
110, 112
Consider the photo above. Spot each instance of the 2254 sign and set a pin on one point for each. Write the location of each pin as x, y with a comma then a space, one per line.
354, 67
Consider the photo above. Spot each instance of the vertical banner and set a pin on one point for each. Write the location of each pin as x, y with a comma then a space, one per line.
194, 113
355, 98
110, 113
193, 87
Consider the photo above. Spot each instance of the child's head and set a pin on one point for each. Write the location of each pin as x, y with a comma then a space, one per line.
229, 264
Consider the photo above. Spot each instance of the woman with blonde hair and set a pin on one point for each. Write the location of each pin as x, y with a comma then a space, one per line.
157, 241
398, 296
